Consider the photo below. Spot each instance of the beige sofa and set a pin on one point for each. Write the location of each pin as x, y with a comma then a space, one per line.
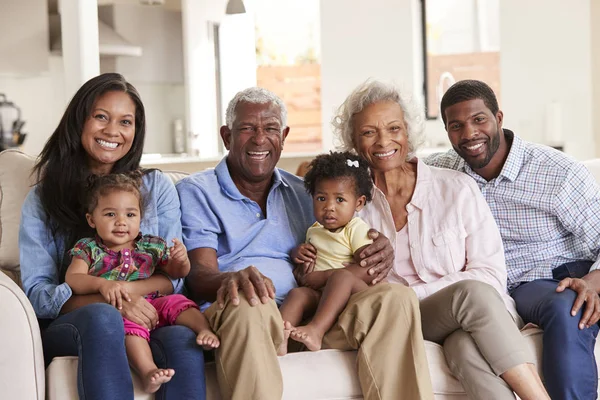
326, 374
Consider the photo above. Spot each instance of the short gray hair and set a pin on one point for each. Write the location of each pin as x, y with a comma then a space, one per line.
371, 92
255, 95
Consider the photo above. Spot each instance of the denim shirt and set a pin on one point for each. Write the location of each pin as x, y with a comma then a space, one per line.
42, 254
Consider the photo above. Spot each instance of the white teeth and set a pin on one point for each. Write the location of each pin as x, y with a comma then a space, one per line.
475, 147
258, 153
389, 153
104, 143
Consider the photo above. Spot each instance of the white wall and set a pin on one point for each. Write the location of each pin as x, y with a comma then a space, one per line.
595, 50
544, 58
362, 39
42, 102
23, 36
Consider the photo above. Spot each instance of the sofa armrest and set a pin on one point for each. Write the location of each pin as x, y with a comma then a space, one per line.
21, 355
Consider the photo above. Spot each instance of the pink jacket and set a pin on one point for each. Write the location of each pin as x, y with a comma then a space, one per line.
451, 230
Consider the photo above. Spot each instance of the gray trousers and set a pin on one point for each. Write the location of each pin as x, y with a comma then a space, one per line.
479, 336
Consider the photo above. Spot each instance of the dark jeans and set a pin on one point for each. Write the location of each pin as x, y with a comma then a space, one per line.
95, 334
568, 362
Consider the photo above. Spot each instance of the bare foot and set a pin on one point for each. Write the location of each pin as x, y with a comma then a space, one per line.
155, 378
309, 335
283, 347
207, 339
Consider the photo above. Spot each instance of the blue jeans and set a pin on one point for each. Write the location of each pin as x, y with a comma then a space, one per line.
95, 334
568, 361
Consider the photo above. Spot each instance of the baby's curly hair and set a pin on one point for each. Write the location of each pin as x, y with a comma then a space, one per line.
336, 165
101, 185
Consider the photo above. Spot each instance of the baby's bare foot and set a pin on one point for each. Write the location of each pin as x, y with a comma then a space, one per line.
207, 339
155, 378
309, 335
283, 347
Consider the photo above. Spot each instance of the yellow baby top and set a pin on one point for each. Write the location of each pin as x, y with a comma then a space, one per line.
335, 248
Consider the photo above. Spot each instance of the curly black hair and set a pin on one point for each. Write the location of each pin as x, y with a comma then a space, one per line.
468, 89
104, 184
337, 165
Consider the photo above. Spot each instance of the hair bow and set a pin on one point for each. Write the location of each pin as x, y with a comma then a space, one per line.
351, 163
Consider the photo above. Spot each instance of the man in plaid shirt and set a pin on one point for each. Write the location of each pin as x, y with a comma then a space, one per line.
547, 207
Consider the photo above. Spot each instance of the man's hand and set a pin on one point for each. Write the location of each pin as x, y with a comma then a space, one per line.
114, 292
585, 294
254, 285
141, 312
378, 257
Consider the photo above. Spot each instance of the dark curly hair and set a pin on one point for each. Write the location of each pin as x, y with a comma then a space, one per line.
336, 165
99, 186
469, 89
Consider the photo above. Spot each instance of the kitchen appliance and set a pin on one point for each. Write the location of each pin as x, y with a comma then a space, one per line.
10, 124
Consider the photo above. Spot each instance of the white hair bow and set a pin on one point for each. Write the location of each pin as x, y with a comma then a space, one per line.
351, 163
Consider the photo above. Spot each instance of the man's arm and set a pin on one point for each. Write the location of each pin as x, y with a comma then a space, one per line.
577, 206
208, 283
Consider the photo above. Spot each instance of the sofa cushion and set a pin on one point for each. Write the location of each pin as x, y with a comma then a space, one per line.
15, 183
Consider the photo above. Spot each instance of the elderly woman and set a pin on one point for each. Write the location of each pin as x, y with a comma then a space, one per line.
447, 246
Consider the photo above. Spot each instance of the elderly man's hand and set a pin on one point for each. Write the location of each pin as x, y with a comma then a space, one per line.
585, 294
378, 257
254, 285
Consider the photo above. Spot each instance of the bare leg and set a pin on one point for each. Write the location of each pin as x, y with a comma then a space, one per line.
525, 382
140, 359
299, 303
196, 321
340, 286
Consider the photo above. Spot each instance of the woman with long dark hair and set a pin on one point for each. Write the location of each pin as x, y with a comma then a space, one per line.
102, 131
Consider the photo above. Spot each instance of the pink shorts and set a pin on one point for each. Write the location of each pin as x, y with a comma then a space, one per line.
168, 309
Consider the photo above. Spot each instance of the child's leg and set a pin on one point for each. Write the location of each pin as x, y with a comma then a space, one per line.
140, 357
340, 286
299, 303
196, 321
177, 309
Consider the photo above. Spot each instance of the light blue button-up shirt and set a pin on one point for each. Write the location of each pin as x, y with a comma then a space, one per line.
41, 254
214, 214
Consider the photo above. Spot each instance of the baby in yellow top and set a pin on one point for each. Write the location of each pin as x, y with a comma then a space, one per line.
334, 248
340, 185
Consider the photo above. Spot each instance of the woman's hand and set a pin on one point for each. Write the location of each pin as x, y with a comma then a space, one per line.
140, 311
378, 257
114, 292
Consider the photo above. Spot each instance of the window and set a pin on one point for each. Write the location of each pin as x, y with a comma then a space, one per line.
289, 64
461, 41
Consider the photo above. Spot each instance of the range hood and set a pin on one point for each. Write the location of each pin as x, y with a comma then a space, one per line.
110, 42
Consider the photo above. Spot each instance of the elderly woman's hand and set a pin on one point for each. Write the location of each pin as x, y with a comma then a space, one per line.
378, 257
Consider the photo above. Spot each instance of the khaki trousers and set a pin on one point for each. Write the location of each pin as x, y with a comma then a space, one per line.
382, 323
480, 338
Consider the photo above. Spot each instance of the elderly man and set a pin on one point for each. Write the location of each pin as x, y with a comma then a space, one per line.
547, 207
240, 222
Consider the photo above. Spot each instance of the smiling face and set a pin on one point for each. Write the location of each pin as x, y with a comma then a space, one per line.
108, 131
335, 202
255, 142
380, 135
116, 219
475, 133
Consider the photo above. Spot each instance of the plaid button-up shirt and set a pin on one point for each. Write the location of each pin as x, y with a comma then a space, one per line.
546, 204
